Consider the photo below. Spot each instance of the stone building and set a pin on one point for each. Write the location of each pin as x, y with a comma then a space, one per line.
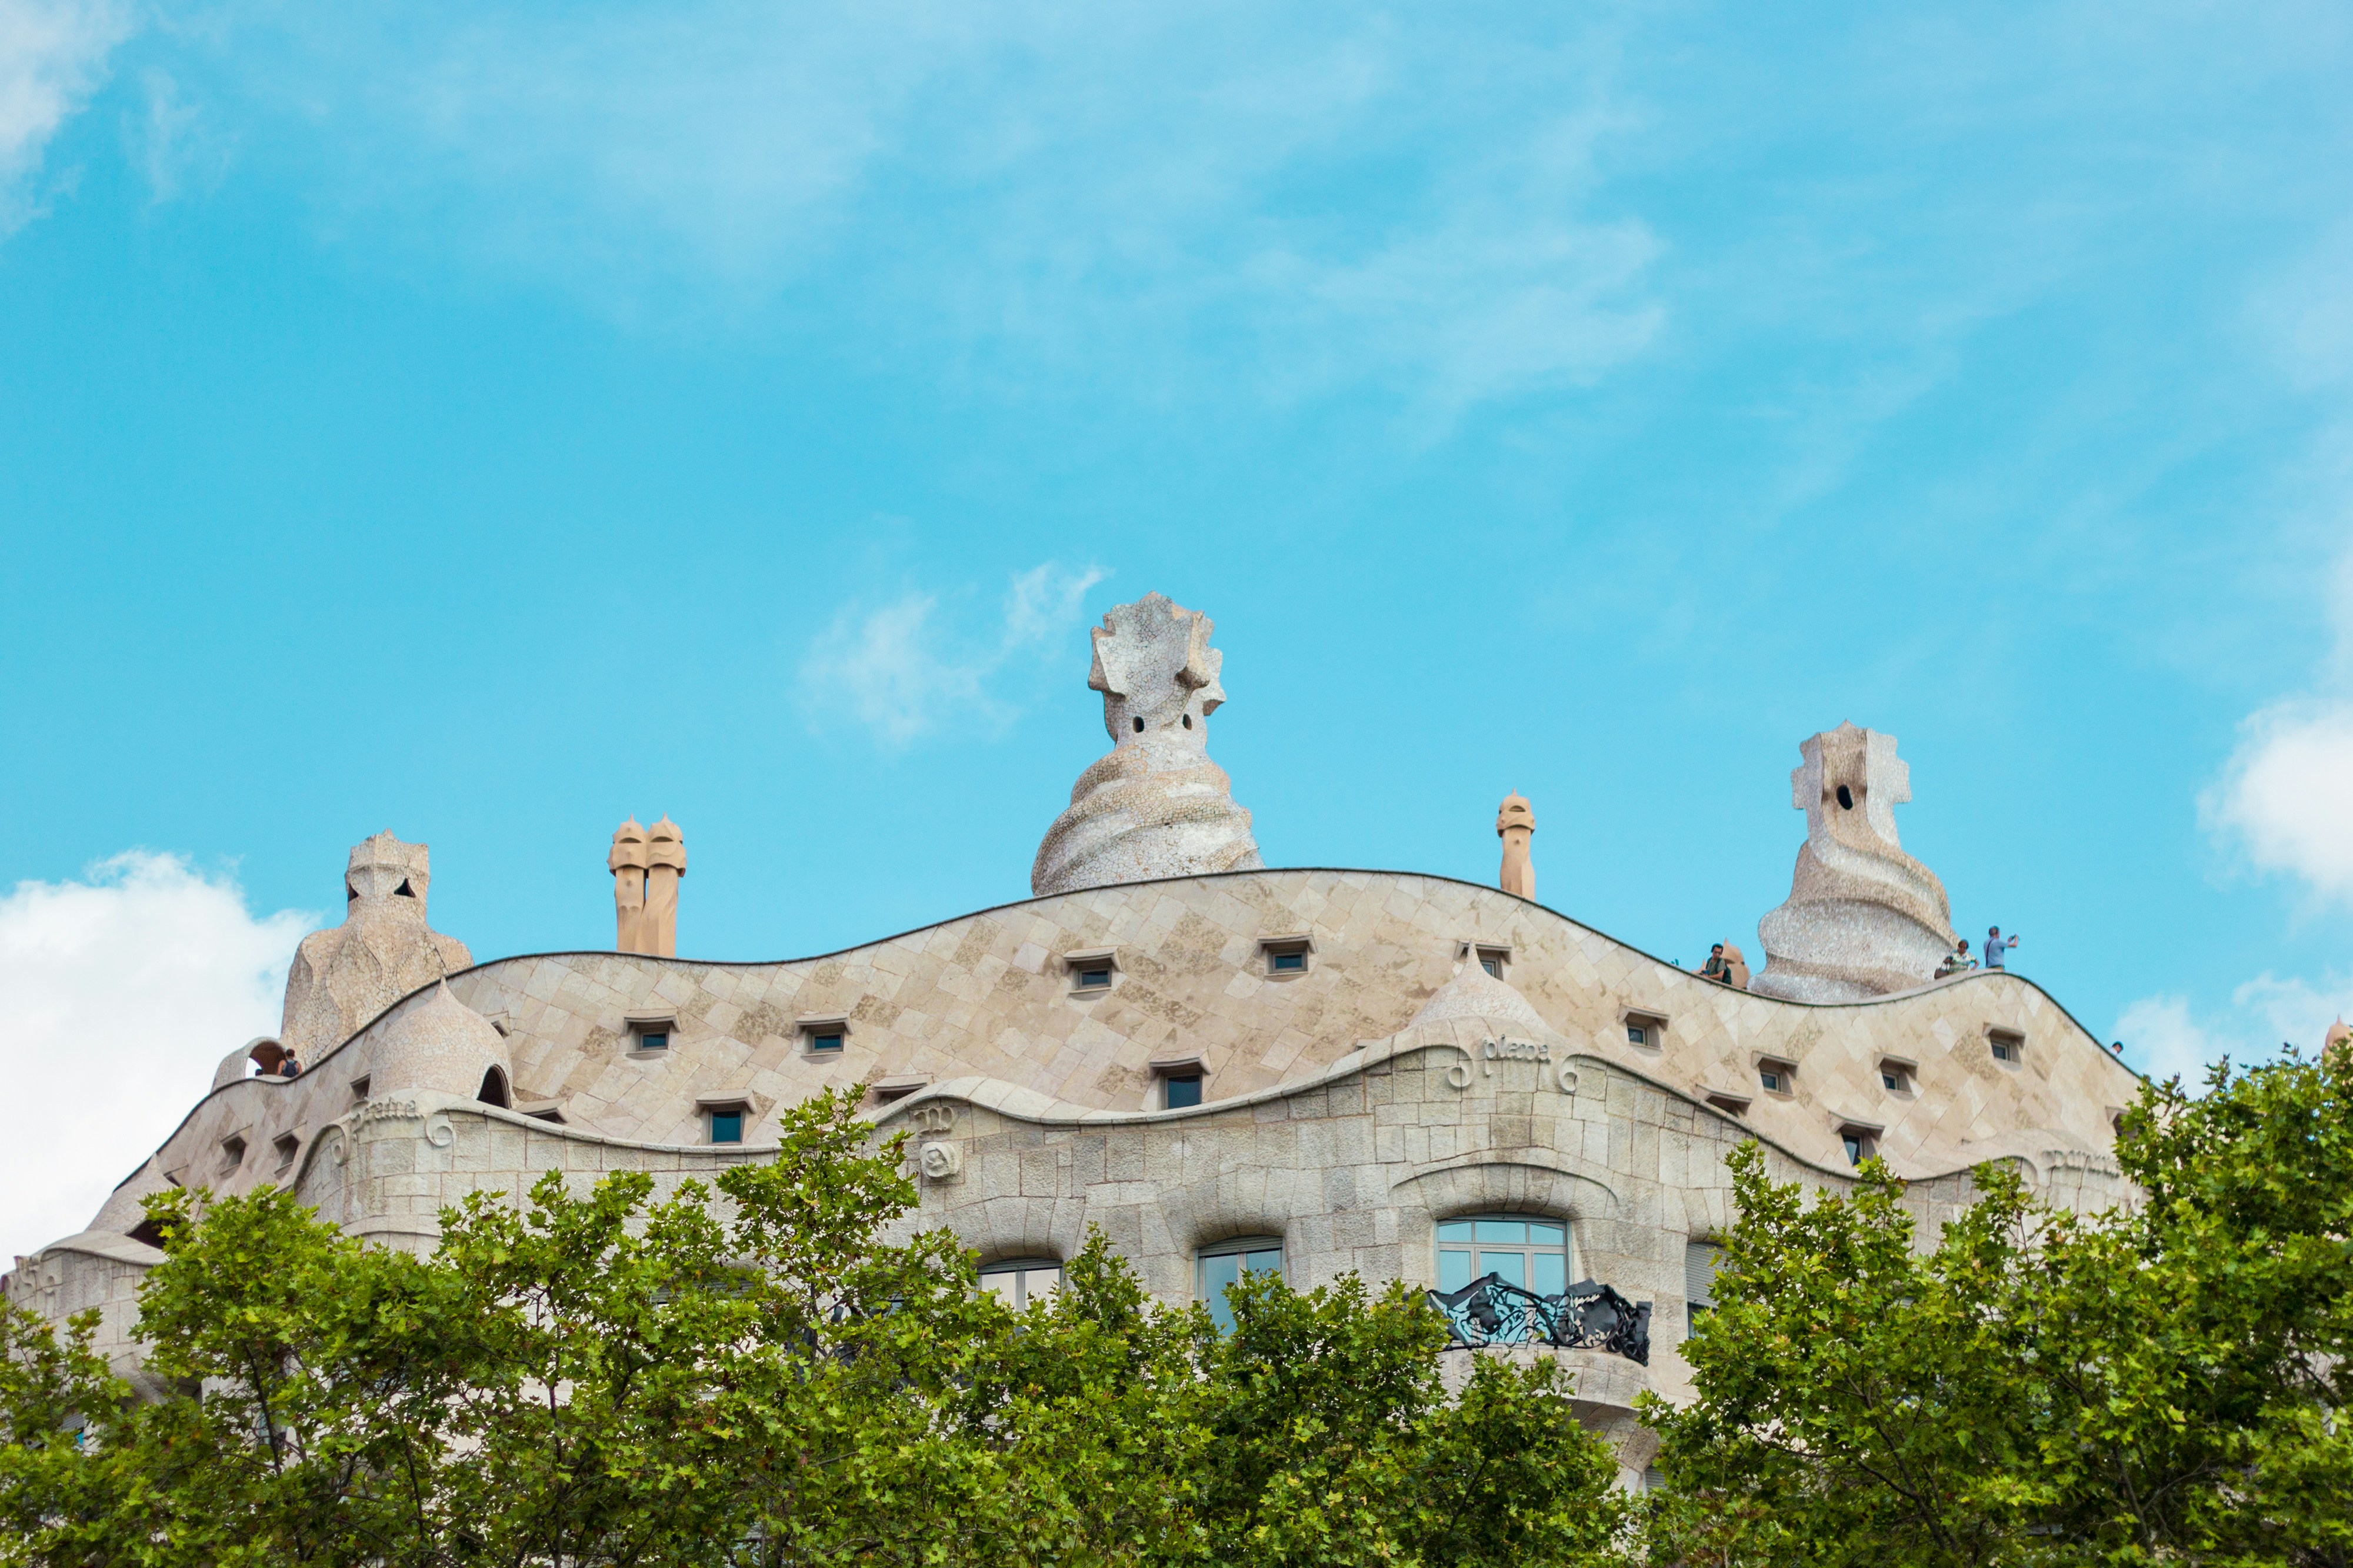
1222, 1065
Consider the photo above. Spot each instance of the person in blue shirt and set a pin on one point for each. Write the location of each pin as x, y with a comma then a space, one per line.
1995, 947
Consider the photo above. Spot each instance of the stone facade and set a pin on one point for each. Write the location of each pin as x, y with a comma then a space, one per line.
1347, 1107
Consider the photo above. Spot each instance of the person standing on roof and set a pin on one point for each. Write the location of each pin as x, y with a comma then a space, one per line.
1995, 947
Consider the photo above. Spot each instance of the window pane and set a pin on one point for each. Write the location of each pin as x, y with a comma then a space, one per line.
1289, 961
1549, 1275
726, 1127
1217, 1273
653, 1041
1512, 1266
1038, 1284
1507, 1230
1005, 1287
1543, 1235
1181, 1093
1267, 1262
1454, 1230
824, 1042
1453, 1269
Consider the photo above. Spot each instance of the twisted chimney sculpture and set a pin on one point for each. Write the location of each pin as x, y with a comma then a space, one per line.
1157, 807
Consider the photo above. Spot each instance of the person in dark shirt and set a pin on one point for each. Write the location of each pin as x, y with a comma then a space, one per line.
291, 1066
1715, 968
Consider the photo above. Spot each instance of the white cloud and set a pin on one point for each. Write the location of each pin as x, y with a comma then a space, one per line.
2163, 1037
903, 669
124, 990
2288, 793
53, 56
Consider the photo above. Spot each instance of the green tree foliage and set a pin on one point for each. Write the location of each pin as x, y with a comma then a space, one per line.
754, 1373
2163, 1382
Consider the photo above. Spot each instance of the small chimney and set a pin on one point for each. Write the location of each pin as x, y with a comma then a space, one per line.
1515, 823
665, 864
627, 863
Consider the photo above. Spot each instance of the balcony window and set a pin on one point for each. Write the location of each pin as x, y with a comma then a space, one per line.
1532, 1254
1017, 1281
1224, 1265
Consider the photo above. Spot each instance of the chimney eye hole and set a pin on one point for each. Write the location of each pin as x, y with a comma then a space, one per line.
1188, 721
351, 894
405, 891
1846, 800
1139, 723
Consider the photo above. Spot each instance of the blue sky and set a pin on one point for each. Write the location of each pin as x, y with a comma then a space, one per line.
485, 422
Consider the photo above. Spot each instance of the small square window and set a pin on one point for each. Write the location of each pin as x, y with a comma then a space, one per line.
1287, 956
1860, 1142
1180, 1090
1648, 1031
653, 1039
1637, 1034
727, 1126
1492, 966
1730, 1104
288, 1145
1777, 1078
232, 1155
1895, 1077
2007, 1047
1093, 979
824, 1036
359, 1091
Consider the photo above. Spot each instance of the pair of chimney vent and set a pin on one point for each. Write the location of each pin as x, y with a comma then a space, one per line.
647, 863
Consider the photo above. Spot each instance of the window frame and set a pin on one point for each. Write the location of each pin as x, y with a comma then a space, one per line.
1860, 1140
646, 1029
834, 1026
2007, 1047
1103, 961
1645, 1030
1298, 945
1169, 1070
1780, 1068
1020, 1268
1243, 1246
1907, 1075
1478, 1248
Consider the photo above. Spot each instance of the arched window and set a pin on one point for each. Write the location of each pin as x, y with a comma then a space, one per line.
1225, 1264
1528, 1252
494, 1090
1017, 1281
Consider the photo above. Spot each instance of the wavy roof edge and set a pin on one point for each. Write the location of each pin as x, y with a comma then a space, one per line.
1890, 998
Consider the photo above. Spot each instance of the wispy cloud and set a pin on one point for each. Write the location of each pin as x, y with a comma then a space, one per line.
901, 670
1294, 201
53, 56
139, 977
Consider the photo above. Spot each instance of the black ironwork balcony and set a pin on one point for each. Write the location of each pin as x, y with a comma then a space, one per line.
1588, 1315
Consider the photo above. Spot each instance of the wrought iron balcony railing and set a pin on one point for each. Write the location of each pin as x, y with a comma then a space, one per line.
1588, 1315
